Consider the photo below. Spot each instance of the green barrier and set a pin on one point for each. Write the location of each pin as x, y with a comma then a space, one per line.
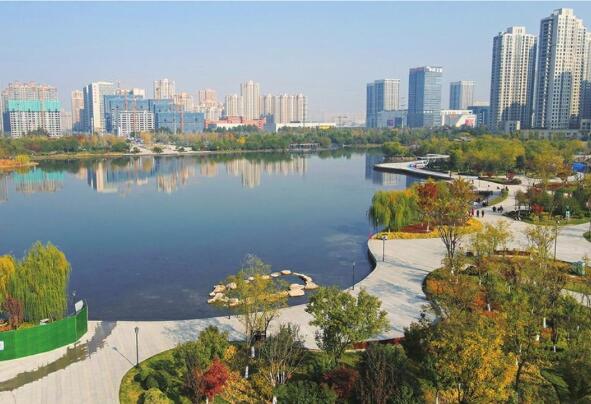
42, 338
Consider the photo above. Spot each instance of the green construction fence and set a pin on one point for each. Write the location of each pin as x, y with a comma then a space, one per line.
43, 338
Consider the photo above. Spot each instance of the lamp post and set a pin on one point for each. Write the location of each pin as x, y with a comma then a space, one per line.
137, 352
556, 236
353, 275
384, 238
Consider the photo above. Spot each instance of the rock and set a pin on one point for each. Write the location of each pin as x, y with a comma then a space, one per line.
211, 294
265, 277
295, 286
233, 301
219, 288
217, 297
231, 285
311, 285
251, 278
296, 292
275, 275
285, 272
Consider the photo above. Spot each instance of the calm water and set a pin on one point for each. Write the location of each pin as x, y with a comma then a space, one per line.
148, 237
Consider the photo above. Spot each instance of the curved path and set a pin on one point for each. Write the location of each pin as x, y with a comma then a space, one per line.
90, 371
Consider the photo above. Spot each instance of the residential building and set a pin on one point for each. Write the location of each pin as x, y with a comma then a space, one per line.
185, 101
233, 105
381, 95
461, 94
207, 96
250, 93
164, 89
77, 103
561, 65
66, 122
424, 96
94, 105
512, 79
29, 107
267, 105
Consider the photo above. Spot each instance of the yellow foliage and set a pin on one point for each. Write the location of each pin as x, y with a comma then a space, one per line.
230, 353
472, 226
7, 269
238, 390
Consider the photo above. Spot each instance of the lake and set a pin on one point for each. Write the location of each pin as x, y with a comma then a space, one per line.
148, 237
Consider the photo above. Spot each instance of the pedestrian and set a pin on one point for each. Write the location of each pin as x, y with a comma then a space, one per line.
477, 213
482, 214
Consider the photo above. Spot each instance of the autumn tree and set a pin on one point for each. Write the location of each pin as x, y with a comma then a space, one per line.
281, 354
344, 319
213, 380
469, 356
426, 198
257, 296
451, 213
7, 270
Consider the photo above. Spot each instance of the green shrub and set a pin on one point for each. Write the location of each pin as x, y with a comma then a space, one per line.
305, 392
155, 396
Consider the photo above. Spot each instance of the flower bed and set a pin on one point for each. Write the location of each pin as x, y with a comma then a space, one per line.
418, 231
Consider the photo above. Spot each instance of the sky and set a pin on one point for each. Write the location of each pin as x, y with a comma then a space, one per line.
328, 50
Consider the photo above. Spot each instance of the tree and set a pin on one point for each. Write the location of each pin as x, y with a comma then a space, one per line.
469, 355
342, 381
281, 354
451, 213
392, 149
40, 282
546, 166
14, 309
384, 375
305, 392
393, 209
490, 239
426, 198
257, 297
212, 382
7, 270
344, 319
155, 396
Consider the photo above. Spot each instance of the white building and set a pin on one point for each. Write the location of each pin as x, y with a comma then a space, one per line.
233, 105
456, 118
290, 108
94, 105
267, 105
185, 100
207, 96
512, 79
250, 92
164, 89
461, 94
561, 63
133, 121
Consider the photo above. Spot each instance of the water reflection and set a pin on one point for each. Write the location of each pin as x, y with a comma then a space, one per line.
385, 178
167, 174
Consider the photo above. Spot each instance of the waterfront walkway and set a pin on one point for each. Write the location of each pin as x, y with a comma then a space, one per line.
91, 371
407, 167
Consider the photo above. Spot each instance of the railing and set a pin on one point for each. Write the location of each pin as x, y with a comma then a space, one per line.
43, 338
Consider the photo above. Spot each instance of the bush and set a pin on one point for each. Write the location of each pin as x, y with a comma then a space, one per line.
342, 380
155, 396
305, 392
150, 382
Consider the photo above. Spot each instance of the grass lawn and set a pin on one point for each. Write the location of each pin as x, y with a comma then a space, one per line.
549, 221
498, 199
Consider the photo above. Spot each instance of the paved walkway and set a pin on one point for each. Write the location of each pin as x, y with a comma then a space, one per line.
90, 371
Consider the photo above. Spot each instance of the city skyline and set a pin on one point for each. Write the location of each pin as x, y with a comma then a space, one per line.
321, 69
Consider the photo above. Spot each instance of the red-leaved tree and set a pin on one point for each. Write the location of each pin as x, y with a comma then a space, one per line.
427, 193
342, 380
214, 379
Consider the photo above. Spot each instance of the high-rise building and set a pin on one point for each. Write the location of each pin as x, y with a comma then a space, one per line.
250, 92
77, 99
586, 83
461, 94
512, 80
424, 96
561, 64
29, 107
301, 108
233, 105
94, 105
207, 96
482, 112
381, 95
267, 105
185, 101
164, 89
66, 122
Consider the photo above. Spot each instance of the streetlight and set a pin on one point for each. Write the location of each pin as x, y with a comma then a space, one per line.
137, 352
353, 275
384, 238
556, 236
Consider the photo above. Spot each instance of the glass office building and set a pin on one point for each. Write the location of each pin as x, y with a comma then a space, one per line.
424, 96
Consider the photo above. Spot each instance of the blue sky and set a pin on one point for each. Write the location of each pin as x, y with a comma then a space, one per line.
325, 50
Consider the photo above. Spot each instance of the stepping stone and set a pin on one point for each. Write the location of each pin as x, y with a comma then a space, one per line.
275, 275
285, 272
296, 286
296, 292
311, 285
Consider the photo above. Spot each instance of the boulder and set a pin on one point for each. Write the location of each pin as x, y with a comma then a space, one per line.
296, 292
217, 297
219, 288
295, 286
265, 277
285, 272
275, 275
231, 285
311, 285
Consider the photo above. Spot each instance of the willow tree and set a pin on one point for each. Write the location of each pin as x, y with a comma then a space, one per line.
40, 283
7, 270
393, 209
